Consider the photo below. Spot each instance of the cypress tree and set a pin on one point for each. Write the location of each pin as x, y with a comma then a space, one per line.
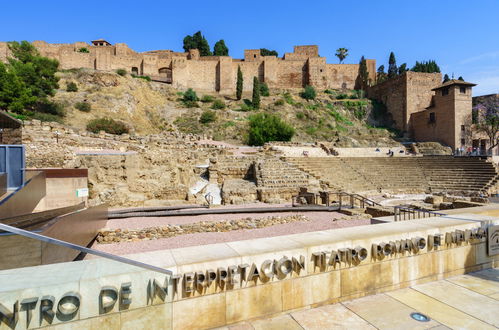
381, 75
220, 49
255, 100
239, 83
392, 66
363, 77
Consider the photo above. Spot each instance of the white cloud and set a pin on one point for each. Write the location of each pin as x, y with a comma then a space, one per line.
481, 57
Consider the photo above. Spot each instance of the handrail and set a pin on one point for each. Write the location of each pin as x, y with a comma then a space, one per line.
83, 249
410, 213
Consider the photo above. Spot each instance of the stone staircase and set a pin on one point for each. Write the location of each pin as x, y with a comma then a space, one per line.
279, 180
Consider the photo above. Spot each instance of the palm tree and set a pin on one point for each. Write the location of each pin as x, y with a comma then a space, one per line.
341, 53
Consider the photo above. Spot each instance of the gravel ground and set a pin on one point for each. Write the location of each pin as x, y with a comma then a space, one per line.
318, 221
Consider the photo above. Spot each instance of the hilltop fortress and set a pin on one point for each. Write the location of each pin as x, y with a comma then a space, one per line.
207, 73
418, 103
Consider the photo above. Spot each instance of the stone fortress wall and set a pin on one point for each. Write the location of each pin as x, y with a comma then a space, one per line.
210, 73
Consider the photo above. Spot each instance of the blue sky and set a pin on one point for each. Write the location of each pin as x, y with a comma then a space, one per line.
462, 36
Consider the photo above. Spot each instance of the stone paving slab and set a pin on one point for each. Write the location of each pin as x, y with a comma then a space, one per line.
468, 301
334, 316
385, 312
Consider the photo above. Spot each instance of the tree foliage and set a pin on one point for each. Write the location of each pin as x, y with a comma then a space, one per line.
239, 83
446, 78
220, 49
264, 127
381, 74
460, 78
341, 54
392, 66
27, 79
267, 52
426, 66
197, 41
486, 119
363, 76
255, 99
402, 68
264, 89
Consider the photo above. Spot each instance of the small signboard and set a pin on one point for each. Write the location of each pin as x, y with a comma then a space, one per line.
493, 240
82, 192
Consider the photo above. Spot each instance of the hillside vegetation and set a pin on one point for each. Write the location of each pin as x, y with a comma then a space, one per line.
344, 117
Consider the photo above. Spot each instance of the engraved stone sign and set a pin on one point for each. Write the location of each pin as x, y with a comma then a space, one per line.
493, 240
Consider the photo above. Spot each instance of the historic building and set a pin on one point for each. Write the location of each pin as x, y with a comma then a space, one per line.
206, 73
426, 109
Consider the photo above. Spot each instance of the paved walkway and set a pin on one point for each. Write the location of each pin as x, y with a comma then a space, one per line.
468, 301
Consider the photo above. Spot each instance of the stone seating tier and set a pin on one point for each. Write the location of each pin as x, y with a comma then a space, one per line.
413, 174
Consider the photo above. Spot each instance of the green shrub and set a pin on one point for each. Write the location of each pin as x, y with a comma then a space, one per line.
229, 124
147, 78
208, 117
190, 95
83, 106
83, 50
191, 104
300, 115
207, 98
313, 107
264, 89
341, 96
121, 72
328, 91
71, 87
107, 125
288, 98
46, 106
218, 105
265, 127
245, 108
279, 102
310, 130
308, 93
45, 117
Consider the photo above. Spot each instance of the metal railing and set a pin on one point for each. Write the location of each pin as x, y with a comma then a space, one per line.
405, 213
325, 197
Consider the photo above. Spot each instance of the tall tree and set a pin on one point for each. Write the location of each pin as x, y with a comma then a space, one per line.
381, 74
426, 66
486, 120
197, 41
341, 53
363, 76
220, 49
267, 52
446, 78
403, 68
392, 66
255, 99
239, 83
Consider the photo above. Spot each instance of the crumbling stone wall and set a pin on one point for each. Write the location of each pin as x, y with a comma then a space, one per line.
126, 170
